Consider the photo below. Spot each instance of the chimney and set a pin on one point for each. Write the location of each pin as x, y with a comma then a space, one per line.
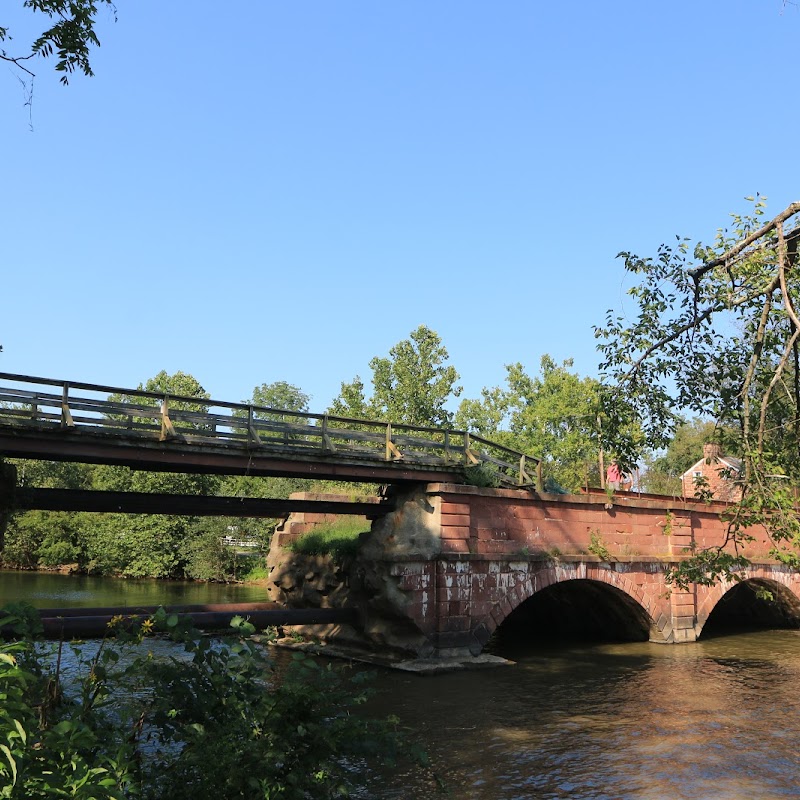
711, 451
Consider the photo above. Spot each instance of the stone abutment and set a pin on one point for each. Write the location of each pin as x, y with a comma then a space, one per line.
439, 575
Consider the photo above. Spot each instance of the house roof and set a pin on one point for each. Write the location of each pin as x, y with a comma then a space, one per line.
724, 462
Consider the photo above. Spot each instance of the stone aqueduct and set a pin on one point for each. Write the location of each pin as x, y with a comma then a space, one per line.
439, 575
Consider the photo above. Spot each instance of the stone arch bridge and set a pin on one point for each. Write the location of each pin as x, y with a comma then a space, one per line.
440, 574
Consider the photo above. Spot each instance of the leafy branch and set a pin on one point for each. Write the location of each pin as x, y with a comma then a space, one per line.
70, 38
721, 339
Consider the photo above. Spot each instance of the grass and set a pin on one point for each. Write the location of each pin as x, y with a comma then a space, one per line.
258, 573
338, 538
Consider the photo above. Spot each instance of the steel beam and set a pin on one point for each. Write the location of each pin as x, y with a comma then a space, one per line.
29, 499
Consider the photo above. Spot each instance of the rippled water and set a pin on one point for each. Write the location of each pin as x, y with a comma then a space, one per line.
715, 719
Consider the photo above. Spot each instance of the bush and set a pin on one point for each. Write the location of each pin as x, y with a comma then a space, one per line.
338, 538
218, 723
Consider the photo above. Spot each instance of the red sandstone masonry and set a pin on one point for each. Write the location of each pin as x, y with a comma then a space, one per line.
499, 547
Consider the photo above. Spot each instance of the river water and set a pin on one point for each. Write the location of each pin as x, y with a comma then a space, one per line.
711, 720
54, 590
714, 720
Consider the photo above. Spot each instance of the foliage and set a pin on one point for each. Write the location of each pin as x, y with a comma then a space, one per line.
45, 537
598, 547
70, 37
555, 415
339, 538
663, 471
483, 475
218, 722
412, 385
719, 336
279, 394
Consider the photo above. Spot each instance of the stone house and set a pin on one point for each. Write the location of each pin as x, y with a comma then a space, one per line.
717, 474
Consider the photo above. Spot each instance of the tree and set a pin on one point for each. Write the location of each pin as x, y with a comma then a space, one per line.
70, 37
279, 394
412, 385
149, 544
49, 538
718, 334
553, 415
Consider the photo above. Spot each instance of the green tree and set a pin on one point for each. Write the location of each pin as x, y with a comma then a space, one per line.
149, 544
718, 334
413, 384
70, 37
279, 394
553, 415
46, 538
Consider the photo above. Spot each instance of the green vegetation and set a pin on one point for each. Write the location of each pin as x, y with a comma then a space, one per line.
339, 538
556, 415
598, 547
716, 333
412, 385
70, 38
218, 722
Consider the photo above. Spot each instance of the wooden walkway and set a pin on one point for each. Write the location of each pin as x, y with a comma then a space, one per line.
41, 418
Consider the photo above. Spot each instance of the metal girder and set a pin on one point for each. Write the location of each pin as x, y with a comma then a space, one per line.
29, 499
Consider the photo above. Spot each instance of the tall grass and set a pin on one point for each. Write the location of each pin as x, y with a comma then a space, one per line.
338, 538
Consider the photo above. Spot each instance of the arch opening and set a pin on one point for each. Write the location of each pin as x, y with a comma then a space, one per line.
754, 604
578, 610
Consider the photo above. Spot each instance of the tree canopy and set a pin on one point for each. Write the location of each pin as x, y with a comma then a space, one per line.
554, 415
70, 37
413, 384
717, 333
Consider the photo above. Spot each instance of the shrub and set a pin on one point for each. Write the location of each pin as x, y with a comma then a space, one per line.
220, 722
338, 538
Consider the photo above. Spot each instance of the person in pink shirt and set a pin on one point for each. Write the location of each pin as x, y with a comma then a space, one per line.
613, 476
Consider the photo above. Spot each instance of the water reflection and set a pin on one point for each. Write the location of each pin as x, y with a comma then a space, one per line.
625, 722
53, 590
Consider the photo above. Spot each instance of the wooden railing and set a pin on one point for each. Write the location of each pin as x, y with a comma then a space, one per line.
93, 409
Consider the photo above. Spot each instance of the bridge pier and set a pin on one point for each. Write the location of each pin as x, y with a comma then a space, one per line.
8, 486
452, 564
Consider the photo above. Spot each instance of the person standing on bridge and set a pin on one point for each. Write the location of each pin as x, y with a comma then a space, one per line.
613, 476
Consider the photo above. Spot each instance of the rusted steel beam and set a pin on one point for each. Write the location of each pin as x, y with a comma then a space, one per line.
30, 499
72, 623
175, 457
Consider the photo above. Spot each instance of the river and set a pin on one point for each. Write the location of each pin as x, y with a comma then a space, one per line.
714, 720
54, 590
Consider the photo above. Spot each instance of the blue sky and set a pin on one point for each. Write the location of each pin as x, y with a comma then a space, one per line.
262, 191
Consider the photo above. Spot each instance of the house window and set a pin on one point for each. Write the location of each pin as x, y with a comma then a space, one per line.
697, 474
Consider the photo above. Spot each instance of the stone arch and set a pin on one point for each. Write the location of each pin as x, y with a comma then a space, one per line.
529, 584
781, 580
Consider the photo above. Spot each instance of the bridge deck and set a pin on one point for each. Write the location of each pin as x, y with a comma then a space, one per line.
41, 418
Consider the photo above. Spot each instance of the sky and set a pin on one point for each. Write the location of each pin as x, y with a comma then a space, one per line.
267, 191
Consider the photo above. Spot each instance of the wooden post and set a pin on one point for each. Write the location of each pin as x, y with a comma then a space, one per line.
167, 428
470, 459
66, 416
391, 450
327, 444
252, 433
600, 460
